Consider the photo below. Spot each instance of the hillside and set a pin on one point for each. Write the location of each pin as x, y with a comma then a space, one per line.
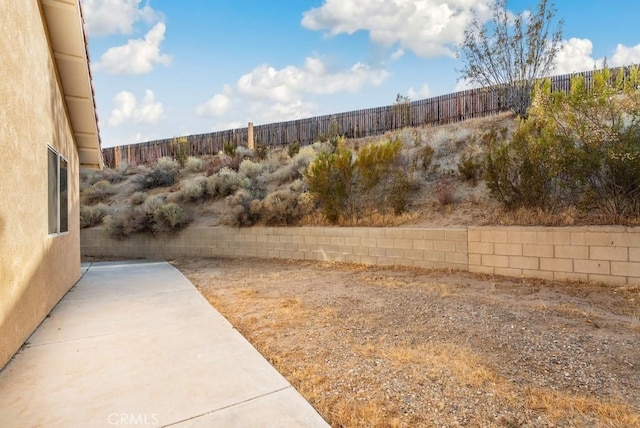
269, 187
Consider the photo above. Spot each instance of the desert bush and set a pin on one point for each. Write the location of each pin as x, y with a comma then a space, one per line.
445, 192
181, 149
195, 189
212, 167
260, 152
92, 215
225, 183
137, 198
159, 177
153, 215
169, 218
293, 149
400, 192
284, 208
194, 164
295, 168
244, 152
242, 209
101, 191
113, 175
250, 169
471, 165
375, 162
425, 157
601, 123
166, 163
525, 171
229, 149
330, 178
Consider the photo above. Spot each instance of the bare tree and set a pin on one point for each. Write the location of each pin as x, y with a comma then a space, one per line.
511, 51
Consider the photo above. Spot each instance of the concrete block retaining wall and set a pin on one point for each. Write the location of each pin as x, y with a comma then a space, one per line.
607, 254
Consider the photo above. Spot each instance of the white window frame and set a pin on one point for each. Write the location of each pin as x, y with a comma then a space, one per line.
58, 197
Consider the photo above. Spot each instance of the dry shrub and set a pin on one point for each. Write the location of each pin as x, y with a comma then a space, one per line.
100, 192
284, 207
242, 209
92, 215
194, 164
169, 218
152, 215
251, 169
137, 198
195, 189
225, 183
445, 192
295, 168
425, 157
213, 167
293, 149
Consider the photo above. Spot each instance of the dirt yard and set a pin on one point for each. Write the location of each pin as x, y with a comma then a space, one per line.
372, 346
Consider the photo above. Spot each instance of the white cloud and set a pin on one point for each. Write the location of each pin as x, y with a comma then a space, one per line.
268, 94
216, 106
626, 55
138, 56
104, 17
399, 53
128, 110
430, 28
423, 92
575, 55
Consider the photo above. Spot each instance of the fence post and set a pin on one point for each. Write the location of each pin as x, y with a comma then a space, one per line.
250, 142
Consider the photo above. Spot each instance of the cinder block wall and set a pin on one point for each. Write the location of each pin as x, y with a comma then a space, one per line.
606, 254
430, 248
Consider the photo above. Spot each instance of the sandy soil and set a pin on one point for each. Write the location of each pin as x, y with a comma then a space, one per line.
370, 346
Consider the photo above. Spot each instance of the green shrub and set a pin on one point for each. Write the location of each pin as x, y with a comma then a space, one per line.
260, 151
293, 149
180, 149
376, 162
92, 215
471, 165
229, 149
524, 172
330, 178
194, 164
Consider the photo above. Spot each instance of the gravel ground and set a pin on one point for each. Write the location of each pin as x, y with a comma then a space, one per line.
370, 346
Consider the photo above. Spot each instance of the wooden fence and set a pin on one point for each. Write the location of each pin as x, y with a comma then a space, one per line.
440, 110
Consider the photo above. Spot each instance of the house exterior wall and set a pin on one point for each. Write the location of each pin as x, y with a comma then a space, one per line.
36, 269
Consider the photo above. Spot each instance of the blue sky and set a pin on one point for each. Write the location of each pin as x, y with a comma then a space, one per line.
164, 68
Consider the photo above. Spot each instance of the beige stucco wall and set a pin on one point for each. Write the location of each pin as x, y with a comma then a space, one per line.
36, 270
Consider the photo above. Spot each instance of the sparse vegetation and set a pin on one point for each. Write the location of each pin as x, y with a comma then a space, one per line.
92, 215
396, 179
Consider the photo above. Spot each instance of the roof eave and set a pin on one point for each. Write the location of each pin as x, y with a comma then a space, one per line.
65, 23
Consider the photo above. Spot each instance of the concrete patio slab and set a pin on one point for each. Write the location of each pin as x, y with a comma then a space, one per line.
135, 344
